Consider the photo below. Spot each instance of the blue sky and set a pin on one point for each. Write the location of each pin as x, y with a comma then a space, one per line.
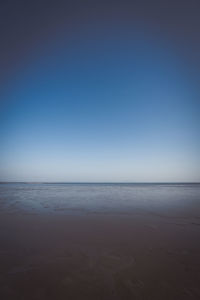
104, 105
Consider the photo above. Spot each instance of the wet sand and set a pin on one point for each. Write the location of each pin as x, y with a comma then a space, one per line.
96, 255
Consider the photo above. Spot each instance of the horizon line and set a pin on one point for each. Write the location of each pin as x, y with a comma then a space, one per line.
101, 182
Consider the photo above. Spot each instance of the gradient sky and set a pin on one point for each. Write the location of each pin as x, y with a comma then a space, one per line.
100, 91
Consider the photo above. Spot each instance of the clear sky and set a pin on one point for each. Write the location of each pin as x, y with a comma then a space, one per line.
99, 93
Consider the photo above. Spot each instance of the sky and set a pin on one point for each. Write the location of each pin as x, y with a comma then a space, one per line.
100, 91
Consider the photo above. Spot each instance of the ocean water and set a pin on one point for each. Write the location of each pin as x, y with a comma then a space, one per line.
165, 200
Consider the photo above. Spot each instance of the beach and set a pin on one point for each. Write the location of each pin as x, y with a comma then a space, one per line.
99, 241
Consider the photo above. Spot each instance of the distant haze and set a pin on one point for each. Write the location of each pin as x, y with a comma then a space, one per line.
105, 93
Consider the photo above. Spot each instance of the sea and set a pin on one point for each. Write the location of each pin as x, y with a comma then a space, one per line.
180, 200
